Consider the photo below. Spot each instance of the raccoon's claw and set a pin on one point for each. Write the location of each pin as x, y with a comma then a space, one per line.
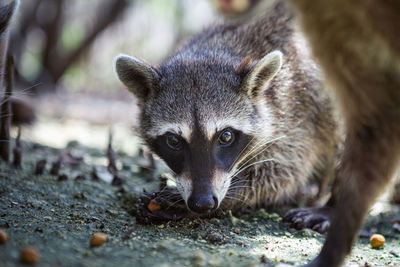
159, 207
316, 219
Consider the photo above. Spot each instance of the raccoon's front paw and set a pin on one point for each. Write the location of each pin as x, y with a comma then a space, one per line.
159, 207
313, 218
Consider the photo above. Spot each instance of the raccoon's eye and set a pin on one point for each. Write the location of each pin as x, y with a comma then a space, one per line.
174, 142
226, 137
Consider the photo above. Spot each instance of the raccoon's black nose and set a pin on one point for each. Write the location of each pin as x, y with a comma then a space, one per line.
202, 203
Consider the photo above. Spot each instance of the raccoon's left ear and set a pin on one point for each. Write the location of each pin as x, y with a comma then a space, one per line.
139, 77
257, 79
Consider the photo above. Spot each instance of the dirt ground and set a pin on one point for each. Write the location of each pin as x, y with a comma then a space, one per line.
58, 218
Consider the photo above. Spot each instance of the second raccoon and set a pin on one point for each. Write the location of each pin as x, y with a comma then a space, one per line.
238, 113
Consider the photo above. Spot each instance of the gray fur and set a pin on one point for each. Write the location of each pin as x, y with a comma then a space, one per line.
209, 78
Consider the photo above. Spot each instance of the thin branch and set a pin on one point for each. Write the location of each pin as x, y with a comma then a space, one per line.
110, 11
6, 111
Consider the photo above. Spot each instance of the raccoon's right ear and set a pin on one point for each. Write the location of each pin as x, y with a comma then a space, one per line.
139, 77
260, 74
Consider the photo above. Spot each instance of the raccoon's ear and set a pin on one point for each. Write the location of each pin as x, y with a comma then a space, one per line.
257, 79
139, 77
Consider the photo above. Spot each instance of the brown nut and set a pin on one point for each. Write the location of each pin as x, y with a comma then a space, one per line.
3, 237
29, 256
377, 241
98, 239
153, 206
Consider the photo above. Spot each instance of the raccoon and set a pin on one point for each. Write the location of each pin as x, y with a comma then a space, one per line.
238, 114
357, 44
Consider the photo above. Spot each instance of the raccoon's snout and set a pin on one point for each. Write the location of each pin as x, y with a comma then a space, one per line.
202, 203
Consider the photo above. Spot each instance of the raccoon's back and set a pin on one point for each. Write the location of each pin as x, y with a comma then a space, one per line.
272, 30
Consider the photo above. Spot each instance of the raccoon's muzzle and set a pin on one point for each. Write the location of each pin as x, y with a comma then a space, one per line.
203, 203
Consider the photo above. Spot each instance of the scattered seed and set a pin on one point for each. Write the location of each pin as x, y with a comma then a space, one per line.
29, 256
152, 206
3, 237
377, 241
98, 239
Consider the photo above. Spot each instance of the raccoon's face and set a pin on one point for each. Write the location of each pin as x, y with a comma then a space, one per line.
199, 116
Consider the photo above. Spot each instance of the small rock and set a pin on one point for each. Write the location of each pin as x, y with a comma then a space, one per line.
263, 258
214, 237
80, 177
62, 177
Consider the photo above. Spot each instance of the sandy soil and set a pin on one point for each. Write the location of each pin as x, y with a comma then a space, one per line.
59, 217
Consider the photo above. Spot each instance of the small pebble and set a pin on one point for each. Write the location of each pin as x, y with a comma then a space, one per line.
62, 177
29, 256
80, 177
98, 239
3, 237
377, 241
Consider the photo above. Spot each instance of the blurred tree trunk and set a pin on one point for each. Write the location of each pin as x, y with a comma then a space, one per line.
54, 60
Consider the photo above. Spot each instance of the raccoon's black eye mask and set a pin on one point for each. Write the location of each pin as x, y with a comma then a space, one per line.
223, 149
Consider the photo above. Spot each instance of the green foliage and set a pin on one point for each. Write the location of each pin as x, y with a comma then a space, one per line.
72, 36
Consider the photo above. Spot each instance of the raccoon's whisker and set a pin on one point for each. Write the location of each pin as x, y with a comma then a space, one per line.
249, 165
240, 193
262, 143
25, 90
240, 154
237, 199
168, 193
235, 181
239, 183
262, 146
238, 186
174, 203
259, 145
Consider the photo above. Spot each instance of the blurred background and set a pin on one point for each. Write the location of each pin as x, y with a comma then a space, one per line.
64, 51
